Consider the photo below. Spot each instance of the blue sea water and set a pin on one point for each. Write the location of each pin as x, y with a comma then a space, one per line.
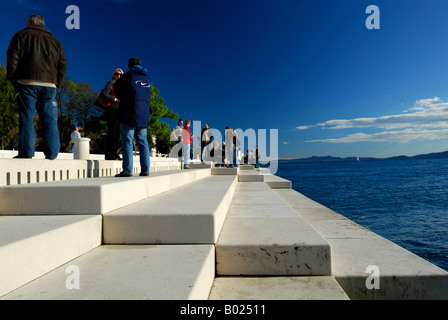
405, 201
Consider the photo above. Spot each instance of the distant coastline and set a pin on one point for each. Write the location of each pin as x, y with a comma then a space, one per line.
435, 155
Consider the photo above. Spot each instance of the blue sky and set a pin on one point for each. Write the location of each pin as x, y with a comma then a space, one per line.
310, 69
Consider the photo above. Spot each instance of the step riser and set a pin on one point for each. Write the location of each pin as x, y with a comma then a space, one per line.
264, 251
250, 178
21, 171
90, 197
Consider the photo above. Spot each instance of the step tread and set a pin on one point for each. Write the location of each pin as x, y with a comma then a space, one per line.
129, 273
277, 288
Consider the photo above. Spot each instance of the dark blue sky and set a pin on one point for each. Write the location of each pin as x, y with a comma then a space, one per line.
296, 66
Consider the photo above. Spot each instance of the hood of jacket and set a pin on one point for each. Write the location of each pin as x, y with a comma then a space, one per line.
139, 69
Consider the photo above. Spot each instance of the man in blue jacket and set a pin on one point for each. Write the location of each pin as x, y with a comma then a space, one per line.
133, 90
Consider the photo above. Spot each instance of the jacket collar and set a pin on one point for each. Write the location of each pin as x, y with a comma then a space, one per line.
44, 29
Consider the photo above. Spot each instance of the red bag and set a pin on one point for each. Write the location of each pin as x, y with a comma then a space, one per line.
101, 102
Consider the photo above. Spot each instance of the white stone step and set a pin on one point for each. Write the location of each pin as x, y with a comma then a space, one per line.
360, 255
34, 245
39, 170
263, 235
218, 171
277, 288
128, 273
202, 165
191, 214
250, 176
246, 173
276, 182
90, 196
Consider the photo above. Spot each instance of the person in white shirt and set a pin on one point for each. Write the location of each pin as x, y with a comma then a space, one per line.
75, 135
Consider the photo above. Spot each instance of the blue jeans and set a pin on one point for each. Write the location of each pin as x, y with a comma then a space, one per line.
43, 100
234, 161
186, 154
127, 135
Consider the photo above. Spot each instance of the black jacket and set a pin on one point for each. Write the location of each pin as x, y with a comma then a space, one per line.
108, 94
35, 54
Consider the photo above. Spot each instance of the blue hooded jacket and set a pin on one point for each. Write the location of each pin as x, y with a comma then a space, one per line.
133, 90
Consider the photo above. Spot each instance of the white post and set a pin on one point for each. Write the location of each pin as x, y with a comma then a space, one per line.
82, 149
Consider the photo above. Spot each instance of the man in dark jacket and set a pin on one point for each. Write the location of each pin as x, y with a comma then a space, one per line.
133, 90
36, 66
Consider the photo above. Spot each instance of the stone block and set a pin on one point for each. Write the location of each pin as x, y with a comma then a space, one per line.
90, 196
129, 273
32, 246
191, 214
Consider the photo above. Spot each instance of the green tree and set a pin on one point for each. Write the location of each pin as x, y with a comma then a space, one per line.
76, 108
157, 128
9, 117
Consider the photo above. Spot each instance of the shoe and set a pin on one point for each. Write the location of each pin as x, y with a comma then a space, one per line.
144, 174
187, 168
123, 175
50, 159
21, 157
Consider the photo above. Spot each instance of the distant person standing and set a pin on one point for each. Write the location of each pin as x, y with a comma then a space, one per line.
176, 135
235, 148
206, 140
187, 139
257, 157
75, 135
133, 90
36, 66
113, 126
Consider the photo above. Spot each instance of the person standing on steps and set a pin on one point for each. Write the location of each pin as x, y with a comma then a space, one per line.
133, 89
75, 135
36, 66
206, 142
187, 139
113, 126
176, 135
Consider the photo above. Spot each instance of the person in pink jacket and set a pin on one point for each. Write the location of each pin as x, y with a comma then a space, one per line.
187, 138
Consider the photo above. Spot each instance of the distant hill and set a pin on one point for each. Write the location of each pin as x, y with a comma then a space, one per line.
436, 155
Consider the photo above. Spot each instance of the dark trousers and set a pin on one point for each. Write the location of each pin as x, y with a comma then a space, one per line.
113, 134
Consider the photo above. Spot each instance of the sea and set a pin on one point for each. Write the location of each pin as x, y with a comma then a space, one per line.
403, 200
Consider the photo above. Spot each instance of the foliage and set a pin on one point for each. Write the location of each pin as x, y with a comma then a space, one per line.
9, 118
76, 108
157, 128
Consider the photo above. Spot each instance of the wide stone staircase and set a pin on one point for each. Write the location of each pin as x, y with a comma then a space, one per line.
200, 234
